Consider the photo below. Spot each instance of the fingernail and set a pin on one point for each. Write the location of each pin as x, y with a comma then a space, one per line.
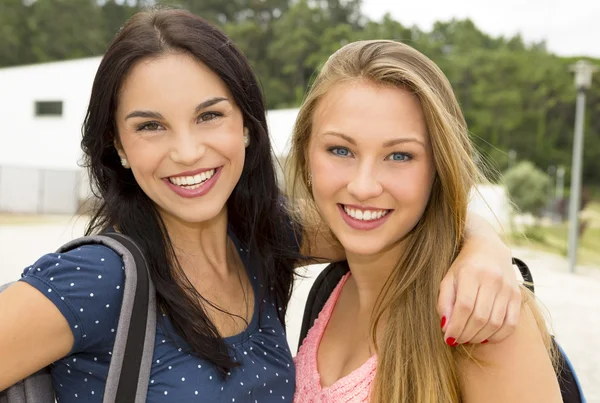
485, 341
451, 341
467, 343
443, 321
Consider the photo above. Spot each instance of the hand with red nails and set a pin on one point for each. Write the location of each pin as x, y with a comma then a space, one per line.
479, 298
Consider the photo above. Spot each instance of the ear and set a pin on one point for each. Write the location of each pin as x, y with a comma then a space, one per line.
119, 148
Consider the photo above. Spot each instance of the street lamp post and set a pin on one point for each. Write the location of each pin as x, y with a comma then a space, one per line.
583, 79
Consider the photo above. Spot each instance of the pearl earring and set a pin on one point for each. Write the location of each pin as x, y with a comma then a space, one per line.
309, 181
125, 163
246, 137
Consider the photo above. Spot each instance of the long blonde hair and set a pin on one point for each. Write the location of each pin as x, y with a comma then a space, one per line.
416, 365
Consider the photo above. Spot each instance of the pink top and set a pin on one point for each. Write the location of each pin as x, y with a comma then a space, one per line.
355, 387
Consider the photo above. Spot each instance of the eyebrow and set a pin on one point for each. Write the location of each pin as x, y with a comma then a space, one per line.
389, 143
155, 115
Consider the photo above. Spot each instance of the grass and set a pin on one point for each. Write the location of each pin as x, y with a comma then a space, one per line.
555, 238
592, 213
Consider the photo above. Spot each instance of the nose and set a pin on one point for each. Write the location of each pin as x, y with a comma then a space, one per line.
364, 185
187, 148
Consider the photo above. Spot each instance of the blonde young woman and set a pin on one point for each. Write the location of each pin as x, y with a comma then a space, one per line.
382, 151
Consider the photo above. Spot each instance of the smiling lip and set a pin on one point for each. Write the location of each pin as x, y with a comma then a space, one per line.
360, 224
201, 190
192, 173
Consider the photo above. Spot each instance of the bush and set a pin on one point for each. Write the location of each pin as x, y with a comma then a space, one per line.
528, 187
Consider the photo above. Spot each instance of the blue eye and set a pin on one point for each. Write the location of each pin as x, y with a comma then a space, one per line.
399, 157
340, 151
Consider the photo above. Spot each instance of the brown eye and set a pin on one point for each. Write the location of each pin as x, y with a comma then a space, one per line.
208, 116
149, 126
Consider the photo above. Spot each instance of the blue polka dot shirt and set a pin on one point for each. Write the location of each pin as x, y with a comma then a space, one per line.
86, 285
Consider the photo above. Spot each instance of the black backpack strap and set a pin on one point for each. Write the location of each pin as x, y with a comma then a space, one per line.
131, 358
331, 275
567, 379
525, 273
319, 293
569, 385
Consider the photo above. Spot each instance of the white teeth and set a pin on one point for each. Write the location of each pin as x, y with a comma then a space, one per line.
192, 182
366, 215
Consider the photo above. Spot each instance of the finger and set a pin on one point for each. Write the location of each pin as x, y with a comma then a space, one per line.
511, 320
481, 316
446, 299
466, 295
495, 320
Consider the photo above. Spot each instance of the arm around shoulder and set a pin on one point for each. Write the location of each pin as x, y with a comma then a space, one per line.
517, 369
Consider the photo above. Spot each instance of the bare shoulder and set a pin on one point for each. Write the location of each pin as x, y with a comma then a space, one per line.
28, 317
518, 369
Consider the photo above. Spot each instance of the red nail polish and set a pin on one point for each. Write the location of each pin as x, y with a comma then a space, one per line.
485, 341
451, 341
467, 343
443, 322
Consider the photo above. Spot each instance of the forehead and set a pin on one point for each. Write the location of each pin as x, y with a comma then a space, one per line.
364, 109
174, 78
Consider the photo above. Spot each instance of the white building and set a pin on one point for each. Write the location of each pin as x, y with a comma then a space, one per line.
42, 108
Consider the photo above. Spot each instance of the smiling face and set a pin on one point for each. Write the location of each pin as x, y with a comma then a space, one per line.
182, 135
371, 163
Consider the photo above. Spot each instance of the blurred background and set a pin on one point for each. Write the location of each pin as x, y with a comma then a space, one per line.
522, 71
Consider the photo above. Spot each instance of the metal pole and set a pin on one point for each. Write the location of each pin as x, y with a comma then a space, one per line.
574, 201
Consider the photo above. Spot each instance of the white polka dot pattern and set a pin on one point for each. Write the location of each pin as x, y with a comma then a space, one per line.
86, 285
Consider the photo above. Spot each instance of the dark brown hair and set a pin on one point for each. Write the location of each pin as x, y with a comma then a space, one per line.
254, 208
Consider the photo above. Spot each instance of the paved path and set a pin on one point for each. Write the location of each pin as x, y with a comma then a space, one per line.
572, 300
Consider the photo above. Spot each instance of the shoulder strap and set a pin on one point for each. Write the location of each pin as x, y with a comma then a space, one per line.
330, 277
319, 293
131, 358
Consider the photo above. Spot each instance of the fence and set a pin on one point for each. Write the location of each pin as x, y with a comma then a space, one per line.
31, 190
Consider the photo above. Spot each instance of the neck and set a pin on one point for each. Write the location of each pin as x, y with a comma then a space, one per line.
200, 246
370, 273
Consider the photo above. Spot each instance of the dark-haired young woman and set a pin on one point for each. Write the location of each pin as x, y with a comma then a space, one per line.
176, 144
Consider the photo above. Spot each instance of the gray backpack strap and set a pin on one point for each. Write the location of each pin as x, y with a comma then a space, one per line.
131, 360
36, 388
5, 286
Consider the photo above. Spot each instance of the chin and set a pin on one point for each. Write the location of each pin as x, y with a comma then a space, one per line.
195, 214
363, 247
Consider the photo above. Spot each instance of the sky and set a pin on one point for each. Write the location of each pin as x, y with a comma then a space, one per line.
569, 27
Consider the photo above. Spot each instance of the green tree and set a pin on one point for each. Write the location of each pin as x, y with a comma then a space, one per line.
528, 187
515, 96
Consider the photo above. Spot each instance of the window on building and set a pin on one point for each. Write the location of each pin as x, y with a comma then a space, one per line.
48, 108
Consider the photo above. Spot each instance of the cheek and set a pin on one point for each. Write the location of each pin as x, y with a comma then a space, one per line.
412, 186
143, 156
229, 142
232, 148
329, 176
